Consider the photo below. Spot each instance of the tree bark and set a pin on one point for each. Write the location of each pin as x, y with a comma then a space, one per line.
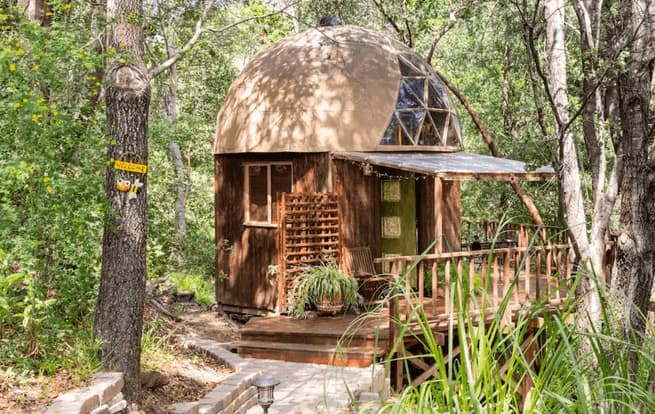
180, 199
35, 10
634, 272
569, 169
119, 310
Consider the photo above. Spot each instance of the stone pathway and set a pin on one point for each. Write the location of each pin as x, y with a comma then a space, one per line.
303, 388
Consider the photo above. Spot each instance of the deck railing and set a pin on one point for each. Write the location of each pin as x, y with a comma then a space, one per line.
521, 233
526, 274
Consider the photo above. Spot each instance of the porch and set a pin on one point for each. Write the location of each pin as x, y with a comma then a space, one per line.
440, 284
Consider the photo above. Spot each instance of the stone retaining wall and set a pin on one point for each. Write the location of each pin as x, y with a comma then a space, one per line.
234, 395
103, 396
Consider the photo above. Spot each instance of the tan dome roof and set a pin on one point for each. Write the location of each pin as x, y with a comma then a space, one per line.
336, 88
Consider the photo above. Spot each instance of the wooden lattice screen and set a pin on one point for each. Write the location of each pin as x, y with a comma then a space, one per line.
308, 235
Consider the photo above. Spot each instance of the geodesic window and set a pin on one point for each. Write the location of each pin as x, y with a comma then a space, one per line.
424, 114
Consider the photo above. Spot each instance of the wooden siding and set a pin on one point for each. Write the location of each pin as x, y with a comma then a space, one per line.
359, 206
427, 211
244, 252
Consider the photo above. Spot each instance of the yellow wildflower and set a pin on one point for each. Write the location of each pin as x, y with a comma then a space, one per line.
55, 113
67, 6
17, 105
36, 67
12, 67
48, 189
20, 52
12, 170
25, 100
35, 118
53, 106
46, 179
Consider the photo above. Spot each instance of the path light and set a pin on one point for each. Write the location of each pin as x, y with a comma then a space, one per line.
265, 386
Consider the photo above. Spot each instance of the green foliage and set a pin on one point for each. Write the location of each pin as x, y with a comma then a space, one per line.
52, 160
166, 252
319, 283
204, 287
155, 344
571, 371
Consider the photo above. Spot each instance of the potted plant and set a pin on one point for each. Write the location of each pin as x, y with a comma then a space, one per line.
325, 287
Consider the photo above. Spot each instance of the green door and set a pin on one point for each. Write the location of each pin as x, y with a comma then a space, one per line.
398, 213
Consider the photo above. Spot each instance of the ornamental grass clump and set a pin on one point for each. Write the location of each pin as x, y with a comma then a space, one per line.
324, 284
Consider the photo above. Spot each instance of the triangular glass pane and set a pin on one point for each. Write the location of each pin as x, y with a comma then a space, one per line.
429, 134
440, 119
395, 134
453, 136
412, 121
390, 136
407, 69
436, 96
409, 127
406, 97
418, 88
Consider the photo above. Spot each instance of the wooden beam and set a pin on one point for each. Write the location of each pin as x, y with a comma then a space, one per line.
438, 203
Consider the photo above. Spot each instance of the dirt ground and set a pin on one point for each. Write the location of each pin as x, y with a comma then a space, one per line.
187, 376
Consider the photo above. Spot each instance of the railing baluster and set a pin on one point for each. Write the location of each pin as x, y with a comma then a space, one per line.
435, 286
421, 281
549, 272
408, 286
528, 275
472, 280
449, 306
496, 274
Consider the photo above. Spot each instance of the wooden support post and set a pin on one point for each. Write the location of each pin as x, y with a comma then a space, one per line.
439, 208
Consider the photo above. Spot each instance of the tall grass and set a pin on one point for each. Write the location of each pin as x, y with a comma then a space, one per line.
541, 363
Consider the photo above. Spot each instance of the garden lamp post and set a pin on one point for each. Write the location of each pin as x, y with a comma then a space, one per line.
265, 386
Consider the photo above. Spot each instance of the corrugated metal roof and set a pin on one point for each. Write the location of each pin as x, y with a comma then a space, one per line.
460, 165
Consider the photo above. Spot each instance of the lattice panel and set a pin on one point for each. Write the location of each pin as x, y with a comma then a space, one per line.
308, 235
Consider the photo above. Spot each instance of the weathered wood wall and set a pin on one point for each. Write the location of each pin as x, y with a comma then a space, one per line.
428, 208
244, 252
359, 206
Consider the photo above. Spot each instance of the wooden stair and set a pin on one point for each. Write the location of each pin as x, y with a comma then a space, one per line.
324, 340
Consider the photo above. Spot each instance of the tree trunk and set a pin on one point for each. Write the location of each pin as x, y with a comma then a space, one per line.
35, 10
169, 103
569, 170
634, 272
119, 311
180, 199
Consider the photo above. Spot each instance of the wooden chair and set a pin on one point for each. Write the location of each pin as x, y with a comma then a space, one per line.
358, 262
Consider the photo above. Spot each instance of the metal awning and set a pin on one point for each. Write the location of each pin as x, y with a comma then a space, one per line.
450, 165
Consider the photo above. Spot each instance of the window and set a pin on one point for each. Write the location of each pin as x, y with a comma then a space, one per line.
263, 184
424, 114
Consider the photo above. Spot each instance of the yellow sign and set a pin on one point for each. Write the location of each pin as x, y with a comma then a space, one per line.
130, 167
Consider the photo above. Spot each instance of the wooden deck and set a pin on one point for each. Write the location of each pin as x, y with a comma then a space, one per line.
441, 283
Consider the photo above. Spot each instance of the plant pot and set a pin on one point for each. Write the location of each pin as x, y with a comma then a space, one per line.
329, 307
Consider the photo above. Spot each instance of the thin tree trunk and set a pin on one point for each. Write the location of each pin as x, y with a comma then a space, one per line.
569, 170
180, 199
507, 116
35, 10
119, 310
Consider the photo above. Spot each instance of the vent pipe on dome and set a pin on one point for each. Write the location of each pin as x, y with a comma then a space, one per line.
330, 21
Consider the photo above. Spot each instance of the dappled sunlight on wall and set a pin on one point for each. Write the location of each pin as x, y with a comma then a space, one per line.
330, 88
